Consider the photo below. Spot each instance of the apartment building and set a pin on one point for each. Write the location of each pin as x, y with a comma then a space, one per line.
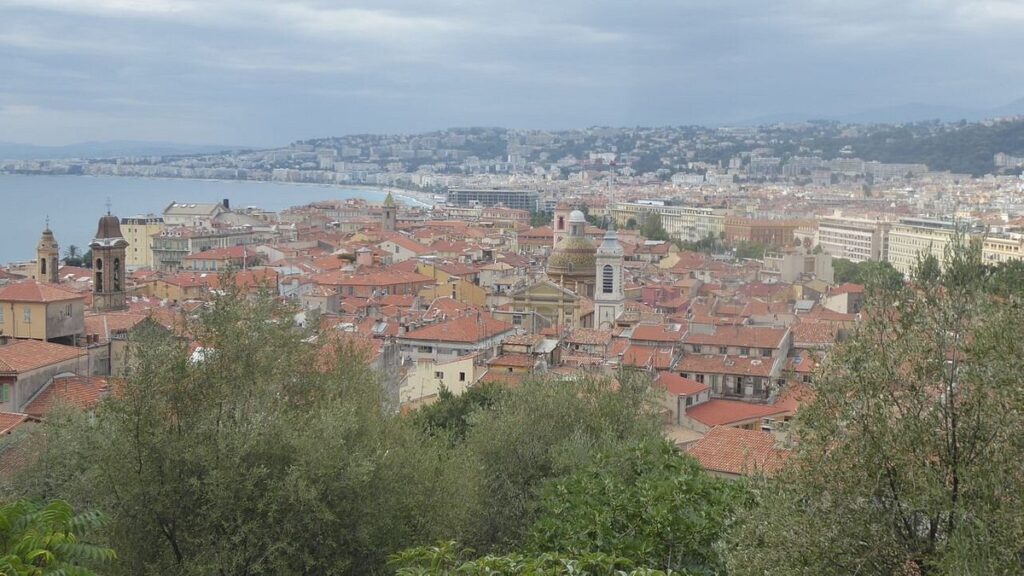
684, 222
855, 239
911, 239
139, 232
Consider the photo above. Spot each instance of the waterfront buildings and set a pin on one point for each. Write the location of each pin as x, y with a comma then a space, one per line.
518, 199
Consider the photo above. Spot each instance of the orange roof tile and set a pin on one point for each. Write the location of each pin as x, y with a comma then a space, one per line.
11, 420
468, 329
27, 355
745, 336
678, 385
35, 292
718, 412
738, 451
83, 392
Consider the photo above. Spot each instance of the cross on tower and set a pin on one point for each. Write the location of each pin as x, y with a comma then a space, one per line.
108, 205
47, 221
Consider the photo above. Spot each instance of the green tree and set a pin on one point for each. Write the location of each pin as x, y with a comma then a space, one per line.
909, 454
538, 219
645, 503
49, 540
652, 228
72, 256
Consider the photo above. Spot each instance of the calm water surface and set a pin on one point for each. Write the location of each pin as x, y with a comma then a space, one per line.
75, 203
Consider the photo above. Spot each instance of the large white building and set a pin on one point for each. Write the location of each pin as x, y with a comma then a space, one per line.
684, 222
912, 239
855, 239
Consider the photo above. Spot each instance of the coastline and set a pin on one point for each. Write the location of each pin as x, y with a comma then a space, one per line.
414, 197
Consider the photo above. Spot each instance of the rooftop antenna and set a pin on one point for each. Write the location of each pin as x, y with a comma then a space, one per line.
47, 221
108, 205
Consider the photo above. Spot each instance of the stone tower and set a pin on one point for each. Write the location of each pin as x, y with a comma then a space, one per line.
390, 214
560, 223
108, 265
609, 297
47, 258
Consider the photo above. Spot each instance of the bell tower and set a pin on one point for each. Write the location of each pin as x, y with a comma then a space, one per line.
609, 297
390, 214
47, 257
108, 265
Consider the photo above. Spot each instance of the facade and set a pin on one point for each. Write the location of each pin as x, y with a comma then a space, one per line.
172, 245
1002, 248
548, 302
518, 199
791, 266
914, 238
689, 223
768, 232
29, 365
47, 258
138, 231
425, 380
108, 263
38, 311
855, 239
454, 338
609, 298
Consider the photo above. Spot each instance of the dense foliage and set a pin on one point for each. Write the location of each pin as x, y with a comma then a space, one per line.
652, 228
909, 456
49, 540
882, 273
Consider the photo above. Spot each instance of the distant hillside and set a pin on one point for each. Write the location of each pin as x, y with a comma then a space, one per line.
961, 148
111, 149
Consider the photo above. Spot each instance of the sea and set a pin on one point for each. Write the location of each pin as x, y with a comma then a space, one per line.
74, 204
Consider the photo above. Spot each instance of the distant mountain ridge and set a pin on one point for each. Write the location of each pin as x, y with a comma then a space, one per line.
896, 114
114, 148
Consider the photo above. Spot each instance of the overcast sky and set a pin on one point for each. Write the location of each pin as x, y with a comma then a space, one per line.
266, 72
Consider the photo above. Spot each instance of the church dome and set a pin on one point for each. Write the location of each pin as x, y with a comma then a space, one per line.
574, 256
577, 217
110, 227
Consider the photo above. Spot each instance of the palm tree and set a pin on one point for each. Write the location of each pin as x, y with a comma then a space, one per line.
46, 540
72, 257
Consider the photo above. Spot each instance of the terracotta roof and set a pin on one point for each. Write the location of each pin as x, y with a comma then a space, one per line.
648, 357
724, 364
33, 291
656, 333
513, 360
678, 385
589, 337
386, 277
744, 336
738, 451
79, 391
718, 412
11, 420
524, 340
27, 355
814, 333
469, 329
848, 288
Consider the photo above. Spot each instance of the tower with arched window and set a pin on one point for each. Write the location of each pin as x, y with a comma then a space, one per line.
108, 266
47, 258
609, 297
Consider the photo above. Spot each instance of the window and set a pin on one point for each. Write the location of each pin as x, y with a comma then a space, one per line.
26, 315
684, 374
744, 351
425, 349
723, 349
607, 279
689, 401
439, 375
766, 352
517, 319
696, 348
699, 378
806, 378
5, 392
462, 376
1, 315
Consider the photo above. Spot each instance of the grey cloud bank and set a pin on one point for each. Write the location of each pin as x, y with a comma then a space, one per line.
264, 72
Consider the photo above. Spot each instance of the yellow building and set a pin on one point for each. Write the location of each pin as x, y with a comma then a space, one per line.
455, 281
912, 239
425, 381
33, 310
996, 249
138, 231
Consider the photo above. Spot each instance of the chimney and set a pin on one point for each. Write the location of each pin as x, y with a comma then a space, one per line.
227, 204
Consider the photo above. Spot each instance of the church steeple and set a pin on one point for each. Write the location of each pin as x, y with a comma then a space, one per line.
388, 223
609, 297
47, 257
108, 264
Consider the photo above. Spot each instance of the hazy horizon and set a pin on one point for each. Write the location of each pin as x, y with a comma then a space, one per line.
264, 73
